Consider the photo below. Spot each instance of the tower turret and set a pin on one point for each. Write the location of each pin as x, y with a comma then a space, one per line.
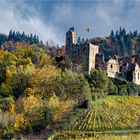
70, 39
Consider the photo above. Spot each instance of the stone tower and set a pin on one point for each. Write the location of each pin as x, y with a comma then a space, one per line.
70, 40
134, 47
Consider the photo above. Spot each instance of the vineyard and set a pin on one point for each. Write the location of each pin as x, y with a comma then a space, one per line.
118, 114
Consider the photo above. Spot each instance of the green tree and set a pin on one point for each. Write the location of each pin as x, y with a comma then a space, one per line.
19, 81
112, 89
98, 81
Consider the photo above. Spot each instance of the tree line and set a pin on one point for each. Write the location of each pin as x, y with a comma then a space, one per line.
119, 42
16, 36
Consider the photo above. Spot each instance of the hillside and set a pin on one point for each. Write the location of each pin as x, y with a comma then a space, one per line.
113, 114
41, 95
119, 42
8, 41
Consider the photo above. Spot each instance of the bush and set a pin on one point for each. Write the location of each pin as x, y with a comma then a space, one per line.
124, 87
8, 135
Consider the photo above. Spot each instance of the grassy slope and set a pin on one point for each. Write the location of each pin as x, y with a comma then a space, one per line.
114, 114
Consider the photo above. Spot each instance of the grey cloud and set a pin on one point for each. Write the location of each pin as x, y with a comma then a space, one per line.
19, 16
101, 16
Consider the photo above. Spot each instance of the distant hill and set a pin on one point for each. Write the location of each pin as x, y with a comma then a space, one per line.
119, 43
8, 41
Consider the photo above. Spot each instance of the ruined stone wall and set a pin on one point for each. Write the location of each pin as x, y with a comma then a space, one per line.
100, 62
112, 68
84, 55
136, 74
80, 56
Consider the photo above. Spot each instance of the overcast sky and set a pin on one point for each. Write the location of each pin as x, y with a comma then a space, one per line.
50, 19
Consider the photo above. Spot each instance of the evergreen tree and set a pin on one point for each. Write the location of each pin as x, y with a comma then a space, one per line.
3, 38
112, 36
78, 40
10, 35
135, 33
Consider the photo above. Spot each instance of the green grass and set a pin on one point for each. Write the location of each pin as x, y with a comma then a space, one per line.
110, 97
111, 135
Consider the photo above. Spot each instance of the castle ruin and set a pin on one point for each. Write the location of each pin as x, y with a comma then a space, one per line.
80, 54
89, 56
